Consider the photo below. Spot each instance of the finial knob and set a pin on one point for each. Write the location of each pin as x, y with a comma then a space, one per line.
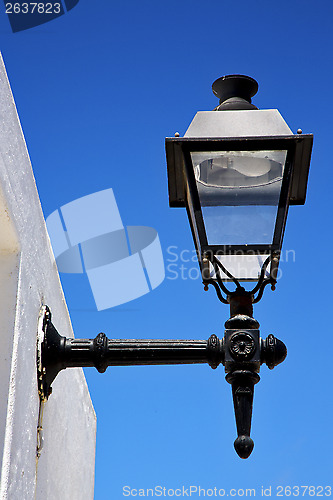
244, 446
235, 92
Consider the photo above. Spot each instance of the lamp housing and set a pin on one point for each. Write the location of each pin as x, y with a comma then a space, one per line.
237, 172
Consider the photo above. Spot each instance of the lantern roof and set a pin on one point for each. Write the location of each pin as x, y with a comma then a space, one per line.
259, 125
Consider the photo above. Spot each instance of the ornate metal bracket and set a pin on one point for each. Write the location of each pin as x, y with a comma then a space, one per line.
245, 351
220, 287
241, 351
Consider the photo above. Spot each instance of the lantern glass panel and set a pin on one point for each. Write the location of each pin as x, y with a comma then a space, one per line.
239, 193
243, 266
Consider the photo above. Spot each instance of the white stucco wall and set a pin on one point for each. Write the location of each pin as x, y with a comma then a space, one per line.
28, 279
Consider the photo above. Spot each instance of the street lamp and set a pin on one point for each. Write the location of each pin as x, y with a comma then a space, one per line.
236, 170
236, 173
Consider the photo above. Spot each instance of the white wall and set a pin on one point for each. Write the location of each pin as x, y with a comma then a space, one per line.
28, 279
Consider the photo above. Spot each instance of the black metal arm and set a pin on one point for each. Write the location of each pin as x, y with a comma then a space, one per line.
241, 351
58, 353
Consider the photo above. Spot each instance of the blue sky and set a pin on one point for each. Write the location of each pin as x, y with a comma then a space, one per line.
97, 91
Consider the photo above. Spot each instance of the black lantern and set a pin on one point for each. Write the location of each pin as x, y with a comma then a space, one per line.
237, 170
